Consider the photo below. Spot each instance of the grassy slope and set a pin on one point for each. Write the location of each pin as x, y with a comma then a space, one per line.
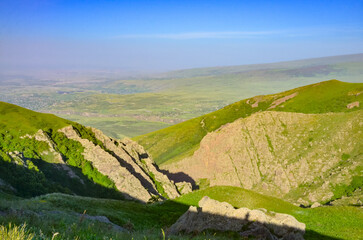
175, 142
38, 172
25, 121
59, 214
339, 222
146, 220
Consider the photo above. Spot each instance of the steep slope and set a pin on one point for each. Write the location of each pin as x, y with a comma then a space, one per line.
41, 153
181, 140
304, 157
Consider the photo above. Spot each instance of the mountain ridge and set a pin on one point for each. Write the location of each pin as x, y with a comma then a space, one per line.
303, 158
175, 142
275, 144
50, 148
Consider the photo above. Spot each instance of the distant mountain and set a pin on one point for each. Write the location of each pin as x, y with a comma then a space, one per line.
42, 153
303, 144
314, 65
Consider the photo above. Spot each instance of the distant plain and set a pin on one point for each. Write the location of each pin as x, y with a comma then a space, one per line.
129, 106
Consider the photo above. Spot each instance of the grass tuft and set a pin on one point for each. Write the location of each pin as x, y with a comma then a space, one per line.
13, 232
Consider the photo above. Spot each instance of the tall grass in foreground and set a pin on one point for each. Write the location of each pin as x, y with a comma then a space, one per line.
13, 232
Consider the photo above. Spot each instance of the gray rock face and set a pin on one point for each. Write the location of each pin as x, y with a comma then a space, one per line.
315, 205
222, 216
56, 156
184, 187
127, 164
136, 157
274, 153
6, 186
103, 219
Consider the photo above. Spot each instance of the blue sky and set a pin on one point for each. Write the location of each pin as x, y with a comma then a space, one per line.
165, 35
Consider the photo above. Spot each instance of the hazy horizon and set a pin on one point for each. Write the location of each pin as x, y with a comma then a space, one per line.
143, 36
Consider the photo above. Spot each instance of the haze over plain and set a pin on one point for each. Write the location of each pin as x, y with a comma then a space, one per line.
155, 36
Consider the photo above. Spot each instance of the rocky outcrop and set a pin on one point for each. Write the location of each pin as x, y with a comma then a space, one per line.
222, 216
55, 155
184, 187
315, 205
282, 100
275, 153
102, 219
127, 165
353, 104
6, 186
139, 160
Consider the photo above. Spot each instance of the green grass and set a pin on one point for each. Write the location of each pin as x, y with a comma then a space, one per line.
13, 232
35, 172
119, 127
24, 121
342, 222
62, 213
331, 96
183, 139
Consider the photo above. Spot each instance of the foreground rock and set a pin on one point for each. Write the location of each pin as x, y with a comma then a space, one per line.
222, 216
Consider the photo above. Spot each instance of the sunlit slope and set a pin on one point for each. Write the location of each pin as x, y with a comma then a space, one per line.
22, 120
181, 140
303, 158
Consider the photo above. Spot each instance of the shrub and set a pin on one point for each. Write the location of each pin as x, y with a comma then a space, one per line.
347, 190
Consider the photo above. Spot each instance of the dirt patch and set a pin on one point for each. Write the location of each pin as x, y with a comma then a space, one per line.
354, 94
256, 100
282, 100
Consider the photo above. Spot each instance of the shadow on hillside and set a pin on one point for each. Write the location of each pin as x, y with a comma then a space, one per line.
30, 183
194, 224
180, 177
144, 182
212, 226
44, 177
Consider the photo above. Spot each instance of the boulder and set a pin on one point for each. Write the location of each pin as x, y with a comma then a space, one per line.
315, 205
259, 231
222, 216
184, 187
353, 104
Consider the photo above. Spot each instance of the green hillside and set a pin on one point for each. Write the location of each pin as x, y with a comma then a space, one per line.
31, 168
24, 121
62, 213
181, 140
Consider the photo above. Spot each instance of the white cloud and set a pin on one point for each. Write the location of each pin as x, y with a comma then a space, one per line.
305, 32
